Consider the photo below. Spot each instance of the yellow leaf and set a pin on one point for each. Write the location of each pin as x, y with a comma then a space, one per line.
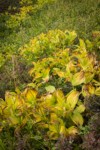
14, 120
78, 78
52, 135
60, 97
62, 130
88, 90
10, 98
45, 75
91, 89
72, 130
88, 76
80, 109
72, 99
77, 119
30, 95
82, 45
59, 72
97, 91
54, 117
53, 128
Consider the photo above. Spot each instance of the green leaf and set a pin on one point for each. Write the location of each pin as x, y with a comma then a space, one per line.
2, 147
50, 89
33, 85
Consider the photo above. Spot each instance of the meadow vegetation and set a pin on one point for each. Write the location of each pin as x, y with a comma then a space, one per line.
50, 75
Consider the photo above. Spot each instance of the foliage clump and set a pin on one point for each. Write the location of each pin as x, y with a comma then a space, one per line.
53, 109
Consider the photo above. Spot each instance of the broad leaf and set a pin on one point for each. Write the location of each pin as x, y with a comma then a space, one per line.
80, 109
97, 91
78, 78
30, 95
72, 130
50, 89
72, 99
45, 75
77, 119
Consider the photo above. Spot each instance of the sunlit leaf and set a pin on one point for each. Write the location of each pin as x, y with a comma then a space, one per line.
97, 91
30, 95
72, 130
82, 45
54, 117
59, 72
50, 89
59, 96
72, 99
14, 120
10, 98
77, 119
45, 75
78, 78
88, 76
80, 109
62, 130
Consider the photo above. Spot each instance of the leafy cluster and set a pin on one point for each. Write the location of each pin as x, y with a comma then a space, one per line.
50, 112
62, 58
50, 116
